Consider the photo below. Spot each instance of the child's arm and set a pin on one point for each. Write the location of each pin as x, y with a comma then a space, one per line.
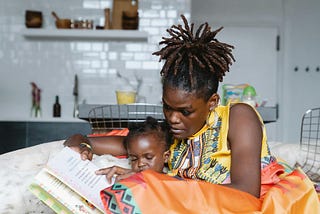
99, 145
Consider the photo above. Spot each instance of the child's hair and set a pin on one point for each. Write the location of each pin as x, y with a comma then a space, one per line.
149, 126
194, 63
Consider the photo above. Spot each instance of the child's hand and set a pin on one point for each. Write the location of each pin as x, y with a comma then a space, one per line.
115, 171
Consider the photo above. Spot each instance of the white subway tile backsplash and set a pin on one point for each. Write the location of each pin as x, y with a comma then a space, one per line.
126, 56
97, 47
103, 56
133, 47
113, 55
83, 46
144, 22
95, 64
52, 63
172, 14
91, 4
132, 65
105, 64
150, 65
142, 56
152, 30
158, 22
162, 14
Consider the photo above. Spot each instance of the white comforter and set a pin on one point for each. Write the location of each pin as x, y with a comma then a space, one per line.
18, 168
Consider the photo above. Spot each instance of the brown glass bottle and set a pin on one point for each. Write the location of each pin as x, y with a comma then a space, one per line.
57, 108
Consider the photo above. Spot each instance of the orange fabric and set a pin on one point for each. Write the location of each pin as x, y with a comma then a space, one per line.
115, 132
270, 176
150, 192
160, 193
294, 193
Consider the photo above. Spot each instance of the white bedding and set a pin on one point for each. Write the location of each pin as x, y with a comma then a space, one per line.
19, 167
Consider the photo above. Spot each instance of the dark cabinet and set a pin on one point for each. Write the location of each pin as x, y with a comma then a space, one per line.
18, 135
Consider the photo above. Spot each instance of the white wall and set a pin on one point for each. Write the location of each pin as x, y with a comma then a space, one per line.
302, 45
299, 30
52, 64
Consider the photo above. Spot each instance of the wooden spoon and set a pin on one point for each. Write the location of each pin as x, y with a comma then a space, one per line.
55, 15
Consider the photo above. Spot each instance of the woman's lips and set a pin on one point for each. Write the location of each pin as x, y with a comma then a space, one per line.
176, 131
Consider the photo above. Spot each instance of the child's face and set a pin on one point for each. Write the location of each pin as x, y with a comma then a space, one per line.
146, 152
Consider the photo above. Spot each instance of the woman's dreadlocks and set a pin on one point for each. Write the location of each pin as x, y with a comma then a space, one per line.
195, 63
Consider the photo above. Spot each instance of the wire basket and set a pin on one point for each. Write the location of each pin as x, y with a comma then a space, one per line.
310, 143
110, 117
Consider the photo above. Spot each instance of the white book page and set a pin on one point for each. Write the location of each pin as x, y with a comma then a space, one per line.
79, 175
72, 200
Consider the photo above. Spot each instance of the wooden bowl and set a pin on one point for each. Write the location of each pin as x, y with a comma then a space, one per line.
33, 19
130, 20
63, 23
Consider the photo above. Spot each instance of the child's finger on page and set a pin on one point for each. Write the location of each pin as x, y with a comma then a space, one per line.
112, 172
124, 176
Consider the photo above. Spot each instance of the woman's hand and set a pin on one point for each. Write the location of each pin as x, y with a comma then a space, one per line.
80, 144
119, 172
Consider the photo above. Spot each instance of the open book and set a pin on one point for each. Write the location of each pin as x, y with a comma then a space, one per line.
69, 185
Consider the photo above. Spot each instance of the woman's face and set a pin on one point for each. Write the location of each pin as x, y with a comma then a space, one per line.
146, 152
185, 112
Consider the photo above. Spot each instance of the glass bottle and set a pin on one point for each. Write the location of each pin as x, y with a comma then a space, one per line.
57, 108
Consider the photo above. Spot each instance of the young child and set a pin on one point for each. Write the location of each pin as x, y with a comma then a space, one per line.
147, 146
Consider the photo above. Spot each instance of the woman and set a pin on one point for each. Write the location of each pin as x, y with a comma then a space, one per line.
223, 145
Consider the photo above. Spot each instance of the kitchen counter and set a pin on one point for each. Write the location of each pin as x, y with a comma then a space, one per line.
141, 110
43, 119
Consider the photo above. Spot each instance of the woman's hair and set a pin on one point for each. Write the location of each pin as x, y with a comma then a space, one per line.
194, 62
150, 126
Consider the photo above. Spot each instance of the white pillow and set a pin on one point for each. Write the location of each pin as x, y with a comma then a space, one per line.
306, 157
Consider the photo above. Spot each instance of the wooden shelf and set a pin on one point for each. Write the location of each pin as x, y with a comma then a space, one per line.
84, 34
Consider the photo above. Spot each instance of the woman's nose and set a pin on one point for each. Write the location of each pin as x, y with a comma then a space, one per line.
173, 117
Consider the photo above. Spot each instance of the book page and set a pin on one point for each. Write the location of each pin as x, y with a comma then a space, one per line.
79, 175
60, 193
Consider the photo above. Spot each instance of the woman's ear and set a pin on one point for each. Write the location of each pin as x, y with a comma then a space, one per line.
213, 101
166, 156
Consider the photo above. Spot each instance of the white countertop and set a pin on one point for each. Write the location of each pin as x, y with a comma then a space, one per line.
43, 119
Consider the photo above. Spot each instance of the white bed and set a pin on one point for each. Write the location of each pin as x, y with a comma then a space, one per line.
19, 167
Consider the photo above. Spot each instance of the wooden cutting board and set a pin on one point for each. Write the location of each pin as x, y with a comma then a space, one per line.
118, 7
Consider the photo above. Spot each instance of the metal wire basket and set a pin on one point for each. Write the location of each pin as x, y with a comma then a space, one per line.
109, 117
310, 143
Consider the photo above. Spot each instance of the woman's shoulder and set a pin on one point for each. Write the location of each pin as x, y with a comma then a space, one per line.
244, 115
242, 110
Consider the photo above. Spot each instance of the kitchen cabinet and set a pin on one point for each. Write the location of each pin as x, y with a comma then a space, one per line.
21, 134
85, 34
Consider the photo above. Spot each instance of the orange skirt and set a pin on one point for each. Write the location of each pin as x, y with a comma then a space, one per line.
151, 192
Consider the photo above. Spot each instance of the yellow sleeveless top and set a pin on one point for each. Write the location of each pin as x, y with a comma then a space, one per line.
205, 155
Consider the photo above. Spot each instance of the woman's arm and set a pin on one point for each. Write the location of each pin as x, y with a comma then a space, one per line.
100, 145
245, 141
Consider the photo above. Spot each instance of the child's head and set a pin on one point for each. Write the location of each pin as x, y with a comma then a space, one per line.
148, 145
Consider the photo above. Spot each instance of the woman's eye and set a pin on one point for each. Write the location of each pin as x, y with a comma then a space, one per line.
166, 107
185, 112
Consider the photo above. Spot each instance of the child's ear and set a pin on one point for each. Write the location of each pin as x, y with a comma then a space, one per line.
166, 156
